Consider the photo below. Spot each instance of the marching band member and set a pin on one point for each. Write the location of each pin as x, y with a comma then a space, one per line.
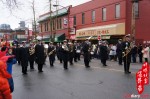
31, 56
39, 55
145, 52
86, 51
71, 53
126, 54
51, 53
65, 53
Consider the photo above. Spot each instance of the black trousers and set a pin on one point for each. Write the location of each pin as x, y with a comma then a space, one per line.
71, 60
24, 69
120, 60
31, 64
134, 58
140, 58
40, 67
65, 64
78, 56
126, 64
103, 61
51, 61
75, 57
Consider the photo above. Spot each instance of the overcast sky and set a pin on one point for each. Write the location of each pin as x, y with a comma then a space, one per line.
24, 12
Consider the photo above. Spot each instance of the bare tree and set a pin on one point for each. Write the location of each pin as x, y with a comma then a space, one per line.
10, 4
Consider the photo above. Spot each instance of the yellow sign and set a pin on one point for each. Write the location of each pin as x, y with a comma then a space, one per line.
114, 29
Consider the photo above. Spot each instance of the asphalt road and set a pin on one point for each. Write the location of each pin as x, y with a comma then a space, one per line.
78, 82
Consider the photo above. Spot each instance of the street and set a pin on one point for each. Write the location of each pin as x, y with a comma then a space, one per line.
78, 82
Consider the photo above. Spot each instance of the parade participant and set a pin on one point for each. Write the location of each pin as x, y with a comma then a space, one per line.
18, 54
78, 51
65, 53
103, 53
145, 52
10, 63
140, 54
39, 55
86, 53
134, 53
119, 51
71, 53
24, 57
59, 52
126, 48
74, 51
51, 54
31, 55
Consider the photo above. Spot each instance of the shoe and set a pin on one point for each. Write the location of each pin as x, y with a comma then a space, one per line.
65, 68
40, 71
129, 72
87, 66
120, 64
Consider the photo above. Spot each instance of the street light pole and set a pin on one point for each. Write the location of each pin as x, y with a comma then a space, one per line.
50, 20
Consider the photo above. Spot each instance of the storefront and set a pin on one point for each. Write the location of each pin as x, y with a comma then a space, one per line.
111, 32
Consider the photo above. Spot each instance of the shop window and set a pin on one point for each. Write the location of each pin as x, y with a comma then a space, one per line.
41, 27
60, 23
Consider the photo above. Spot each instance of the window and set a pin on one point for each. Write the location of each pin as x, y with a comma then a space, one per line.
117, 15
93, 16
60, 23
83, 18
57, 23
136, 9
41, 27
45, 26
74, 20
104, 14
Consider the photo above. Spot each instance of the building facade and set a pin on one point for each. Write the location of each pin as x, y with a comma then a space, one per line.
108, 19
53, 26
111, 20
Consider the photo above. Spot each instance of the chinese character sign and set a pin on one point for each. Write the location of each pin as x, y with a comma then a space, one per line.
142, 77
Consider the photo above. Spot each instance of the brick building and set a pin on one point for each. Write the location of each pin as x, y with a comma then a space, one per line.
110, 19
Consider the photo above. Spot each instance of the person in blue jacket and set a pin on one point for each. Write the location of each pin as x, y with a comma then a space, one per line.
10, 63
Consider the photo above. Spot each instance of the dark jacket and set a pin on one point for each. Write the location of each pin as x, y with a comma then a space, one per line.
65, 53
103, 52
39, 54
24, 56
31, 56
52, 50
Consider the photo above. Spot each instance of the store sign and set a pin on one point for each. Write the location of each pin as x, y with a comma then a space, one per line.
65, 22
115, 29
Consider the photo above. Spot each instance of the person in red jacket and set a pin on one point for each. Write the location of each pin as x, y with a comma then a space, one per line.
4, 85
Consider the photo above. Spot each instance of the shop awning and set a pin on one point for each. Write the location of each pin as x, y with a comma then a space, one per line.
106, 30
59, 37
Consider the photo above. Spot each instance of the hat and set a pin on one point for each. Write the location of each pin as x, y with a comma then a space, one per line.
69, 43
120, 40
65, 40
51, 42
128, 35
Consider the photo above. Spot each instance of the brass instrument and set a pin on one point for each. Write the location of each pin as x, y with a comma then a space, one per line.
51, 52
128, 49
65, 47
31, 51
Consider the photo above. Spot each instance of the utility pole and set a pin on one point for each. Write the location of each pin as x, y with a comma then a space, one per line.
56, 21
50, 1
34, 20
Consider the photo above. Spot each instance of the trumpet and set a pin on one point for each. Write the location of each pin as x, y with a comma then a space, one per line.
31, 51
